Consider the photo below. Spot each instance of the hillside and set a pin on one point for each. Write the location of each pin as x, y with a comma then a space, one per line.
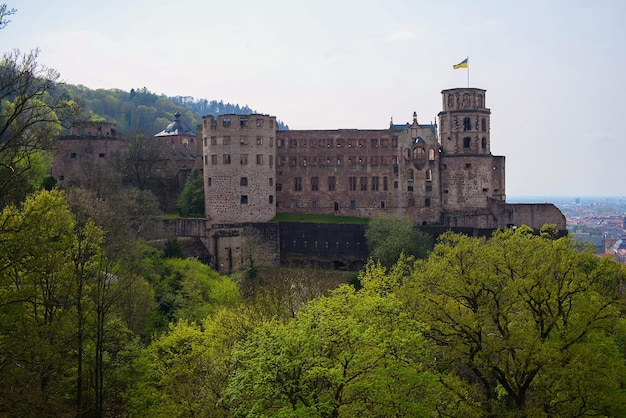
141, 110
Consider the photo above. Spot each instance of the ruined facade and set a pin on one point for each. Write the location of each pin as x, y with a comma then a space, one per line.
436, 174
448, 177
84, 151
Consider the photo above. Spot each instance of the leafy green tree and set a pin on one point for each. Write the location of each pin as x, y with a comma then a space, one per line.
184, 372
349, 354
38, 306
528, 322
387, 238
191, 200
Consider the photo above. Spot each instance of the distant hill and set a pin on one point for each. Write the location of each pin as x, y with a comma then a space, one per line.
140, 110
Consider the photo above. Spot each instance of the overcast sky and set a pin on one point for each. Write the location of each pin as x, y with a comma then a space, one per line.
554, 71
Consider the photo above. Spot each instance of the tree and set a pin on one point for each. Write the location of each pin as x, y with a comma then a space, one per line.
142, 160
31, 116
349, 354
41, 266
387, 238
191, 199
528, 322
4, 12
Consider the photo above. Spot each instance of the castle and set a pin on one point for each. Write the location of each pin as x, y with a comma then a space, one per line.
440, 173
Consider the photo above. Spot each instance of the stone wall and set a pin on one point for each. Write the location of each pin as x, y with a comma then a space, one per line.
239, 171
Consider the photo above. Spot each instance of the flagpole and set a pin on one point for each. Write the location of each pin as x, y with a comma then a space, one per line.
468, 72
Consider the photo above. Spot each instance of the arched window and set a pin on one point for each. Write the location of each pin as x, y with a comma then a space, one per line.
467, 125
407, 154
466, 142
431, 154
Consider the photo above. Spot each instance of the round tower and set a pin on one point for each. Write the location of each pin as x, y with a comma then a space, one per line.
464, 122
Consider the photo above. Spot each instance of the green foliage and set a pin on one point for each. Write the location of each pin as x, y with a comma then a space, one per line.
172, 248
191, 200
349, 354
186, 289
388, 238
528, 321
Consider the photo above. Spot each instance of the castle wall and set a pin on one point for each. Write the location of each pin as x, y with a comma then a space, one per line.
534, 215
233, 246
239, 171
362, 173
83, 153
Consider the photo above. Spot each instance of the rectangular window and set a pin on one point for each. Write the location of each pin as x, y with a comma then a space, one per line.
226, 122
259, 123
293, 143
271, 141
281, 161
213, 159
297, 184
259, 140
206, 160
352, 204
279, 187
374, 143
293, 161
385, 183
314, 204
243, 181
411, 202
243, 140
271, 199
259, 159
331, 184
350, 161
243, 159
352, 182
303, 143
271, 160
314, 184
394, 141
244, 199
375, 181
271, 182
243, 123
226, 158
209, 181
226, 140
101, 155
213, 140
427, 202
363, 183
73, 155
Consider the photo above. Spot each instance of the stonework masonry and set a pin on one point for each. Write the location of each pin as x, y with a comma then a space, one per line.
440, 174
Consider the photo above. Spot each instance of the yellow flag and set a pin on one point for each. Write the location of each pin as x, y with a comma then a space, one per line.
462, 64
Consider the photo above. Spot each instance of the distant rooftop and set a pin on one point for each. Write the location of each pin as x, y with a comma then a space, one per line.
176, 128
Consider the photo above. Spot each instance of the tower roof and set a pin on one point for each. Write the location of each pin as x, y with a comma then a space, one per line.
176, 128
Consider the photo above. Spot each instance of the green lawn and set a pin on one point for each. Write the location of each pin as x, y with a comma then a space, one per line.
322, 219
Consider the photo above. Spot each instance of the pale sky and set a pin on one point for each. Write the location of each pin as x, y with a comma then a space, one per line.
554, 70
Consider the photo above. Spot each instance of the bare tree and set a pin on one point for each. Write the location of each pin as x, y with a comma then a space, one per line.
31, 115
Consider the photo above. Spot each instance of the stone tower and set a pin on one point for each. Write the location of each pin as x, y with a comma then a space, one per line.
239, 171
472, 178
